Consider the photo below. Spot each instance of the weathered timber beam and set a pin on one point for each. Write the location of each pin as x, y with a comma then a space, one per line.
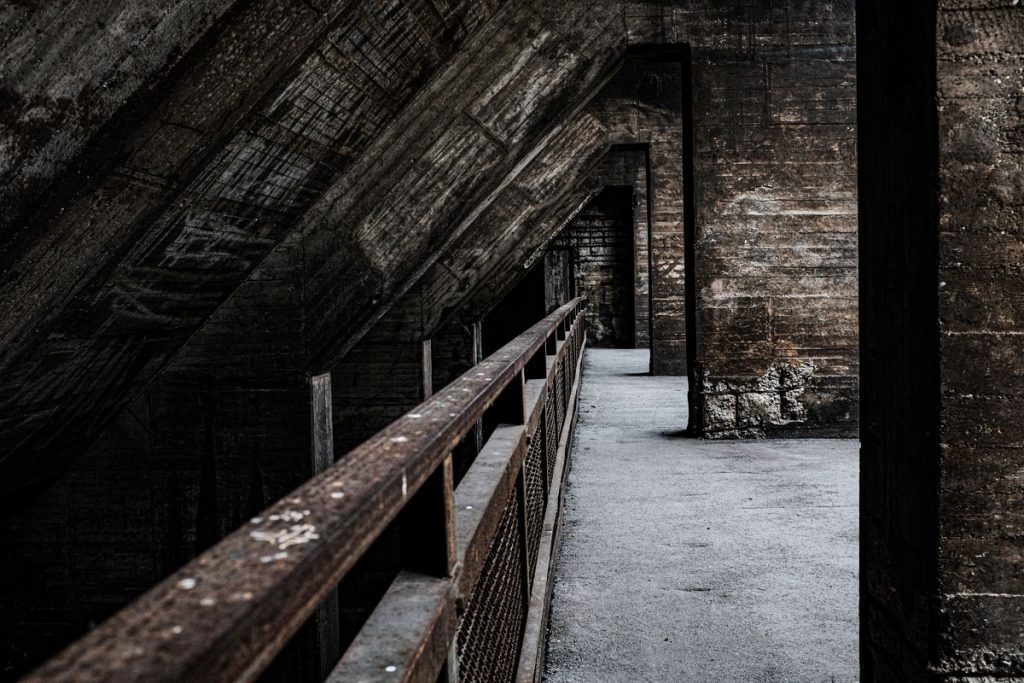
537, 192
538, 69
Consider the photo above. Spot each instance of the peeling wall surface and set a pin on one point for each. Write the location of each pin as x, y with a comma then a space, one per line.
980, 54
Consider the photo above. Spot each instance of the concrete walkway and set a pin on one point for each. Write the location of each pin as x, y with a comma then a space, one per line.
686, 560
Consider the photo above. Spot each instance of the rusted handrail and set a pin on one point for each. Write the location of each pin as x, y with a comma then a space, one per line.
226, 615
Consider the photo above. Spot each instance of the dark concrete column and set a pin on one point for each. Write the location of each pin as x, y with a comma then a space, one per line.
941, 150
641, 252
626, 165
643, 107
774, 252
667, 283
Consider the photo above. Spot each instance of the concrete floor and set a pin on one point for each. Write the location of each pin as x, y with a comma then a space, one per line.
687, 560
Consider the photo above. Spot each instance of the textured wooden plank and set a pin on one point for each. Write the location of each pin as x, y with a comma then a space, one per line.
392, 261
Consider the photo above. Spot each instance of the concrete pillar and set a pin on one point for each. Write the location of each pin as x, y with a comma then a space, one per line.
941, 116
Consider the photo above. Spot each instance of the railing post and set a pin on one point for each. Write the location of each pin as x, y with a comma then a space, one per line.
450, 673
426, 370
428, 521
328, 613
478, 355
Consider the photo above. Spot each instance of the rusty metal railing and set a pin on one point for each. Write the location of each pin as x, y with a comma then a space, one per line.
460, 608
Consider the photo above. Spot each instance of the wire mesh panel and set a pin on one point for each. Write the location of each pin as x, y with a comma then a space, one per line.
550, 437
559, 399
570, 358
491, 631
535, 498
566, 385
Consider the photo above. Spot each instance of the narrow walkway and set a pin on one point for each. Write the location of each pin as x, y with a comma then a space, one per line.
687, 560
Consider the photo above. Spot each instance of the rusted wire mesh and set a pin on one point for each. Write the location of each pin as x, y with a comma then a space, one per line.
559, 400
491, 631
535, 498
566, 373
550, 436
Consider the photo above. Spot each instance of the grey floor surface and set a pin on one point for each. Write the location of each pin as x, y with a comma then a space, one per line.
688, 560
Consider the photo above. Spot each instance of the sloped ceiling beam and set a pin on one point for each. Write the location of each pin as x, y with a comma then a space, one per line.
323, 143
66, 75
490, 258
504, 113
505, 271
537, 198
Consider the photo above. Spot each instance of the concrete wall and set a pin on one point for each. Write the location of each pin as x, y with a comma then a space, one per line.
775, 226
942, 196
224, 428
242, 192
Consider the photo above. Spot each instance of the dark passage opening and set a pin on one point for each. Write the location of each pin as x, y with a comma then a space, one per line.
600, 240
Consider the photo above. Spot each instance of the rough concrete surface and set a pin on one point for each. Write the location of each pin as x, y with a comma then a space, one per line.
688, 560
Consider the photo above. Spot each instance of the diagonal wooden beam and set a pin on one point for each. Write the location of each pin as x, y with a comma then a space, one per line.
187, 194
524, 205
